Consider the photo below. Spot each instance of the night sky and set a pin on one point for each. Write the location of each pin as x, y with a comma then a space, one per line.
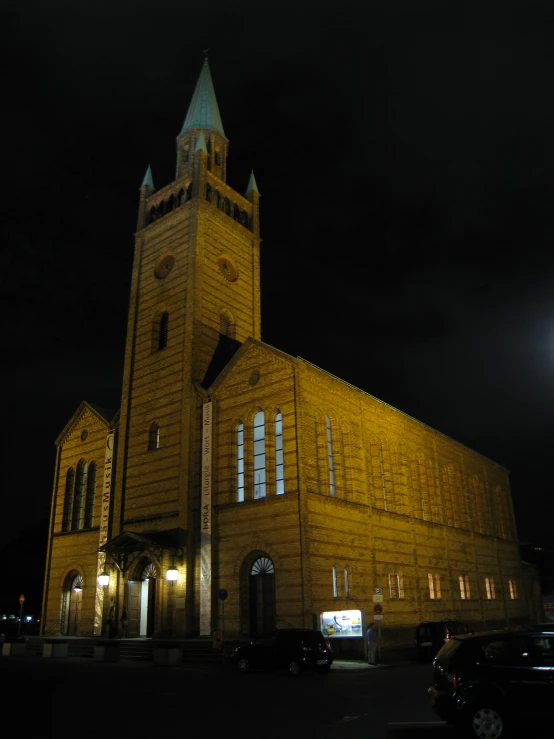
405, 156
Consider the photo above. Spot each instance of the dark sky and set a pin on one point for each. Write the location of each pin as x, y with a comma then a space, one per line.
404, 152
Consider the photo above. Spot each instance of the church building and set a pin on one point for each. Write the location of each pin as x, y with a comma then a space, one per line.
239, 489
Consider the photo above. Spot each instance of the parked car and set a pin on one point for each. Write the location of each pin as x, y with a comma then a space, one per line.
295, 650
430, 636
488, 683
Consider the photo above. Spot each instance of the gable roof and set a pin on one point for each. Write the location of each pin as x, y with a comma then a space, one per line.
105, 415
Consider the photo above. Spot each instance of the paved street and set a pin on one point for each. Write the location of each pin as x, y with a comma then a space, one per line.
79, 697
71, 697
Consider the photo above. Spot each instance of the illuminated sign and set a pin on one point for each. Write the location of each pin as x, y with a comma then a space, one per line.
341, 623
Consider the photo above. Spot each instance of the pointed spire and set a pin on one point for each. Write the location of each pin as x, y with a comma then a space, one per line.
201, 143
148, 181
252, 186
203, 111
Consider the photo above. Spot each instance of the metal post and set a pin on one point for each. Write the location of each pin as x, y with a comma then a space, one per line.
379, 641
20, 619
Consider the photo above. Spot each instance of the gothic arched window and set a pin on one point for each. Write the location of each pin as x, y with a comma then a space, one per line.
259, 455
91, 494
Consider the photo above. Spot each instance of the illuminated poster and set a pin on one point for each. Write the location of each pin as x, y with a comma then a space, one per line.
341, 623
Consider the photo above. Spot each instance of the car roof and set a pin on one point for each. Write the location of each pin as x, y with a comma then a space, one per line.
512, 631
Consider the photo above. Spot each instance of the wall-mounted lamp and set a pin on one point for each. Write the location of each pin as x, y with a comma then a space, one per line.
104, 579
172, 574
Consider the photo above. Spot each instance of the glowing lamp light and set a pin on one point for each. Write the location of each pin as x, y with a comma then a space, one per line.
104, 579
172, 574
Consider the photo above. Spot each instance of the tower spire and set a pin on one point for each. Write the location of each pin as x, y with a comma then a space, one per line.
203, 110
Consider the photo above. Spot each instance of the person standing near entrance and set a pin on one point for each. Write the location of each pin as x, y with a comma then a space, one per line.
124, 622
110, 623
371, 644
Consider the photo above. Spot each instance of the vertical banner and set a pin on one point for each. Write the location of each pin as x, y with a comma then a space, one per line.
104, 518
206, 523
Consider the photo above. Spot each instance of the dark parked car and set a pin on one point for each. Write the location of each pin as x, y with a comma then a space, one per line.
295, 650
430, 636
491, 682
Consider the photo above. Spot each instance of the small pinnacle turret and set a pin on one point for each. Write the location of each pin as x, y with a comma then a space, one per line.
252, 185
148, 181
201, 143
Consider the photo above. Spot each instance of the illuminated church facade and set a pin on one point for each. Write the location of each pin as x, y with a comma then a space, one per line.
238, 488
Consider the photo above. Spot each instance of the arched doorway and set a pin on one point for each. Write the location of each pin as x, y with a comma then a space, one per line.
261, 591
141, 600
71, 604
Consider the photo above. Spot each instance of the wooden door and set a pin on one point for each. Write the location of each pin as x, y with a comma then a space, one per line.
75, 602
133, 608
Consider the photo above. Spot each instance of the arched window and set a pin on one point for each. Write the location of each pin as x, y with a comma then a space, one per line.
217, 157
240, 463
68, 499
335, 584
226, 326
259, 455
431, 585
347, 582
330, 460
279, 466
153, 437
77, 519
434, 586
91, 493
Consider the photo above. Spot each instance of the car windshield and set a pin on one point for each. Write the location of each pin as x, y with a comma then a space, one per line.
447, 652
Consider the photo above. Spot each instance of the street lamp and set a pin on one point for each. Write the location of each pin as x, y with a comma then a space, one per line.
104, 579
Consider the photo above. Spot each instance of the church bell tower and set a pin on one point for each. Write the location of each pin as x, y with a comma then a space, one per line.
195, 279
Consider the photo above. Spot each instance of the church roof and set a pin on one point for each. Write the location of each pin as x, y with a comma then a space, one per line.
203, 110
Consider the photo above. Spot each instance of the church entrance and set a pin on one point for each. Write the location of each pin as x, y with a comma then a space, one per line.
141, 601
262, 596
71, 604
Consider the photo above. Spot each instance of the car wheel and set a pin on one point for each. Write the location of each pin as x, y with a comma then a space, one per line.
243, 665
486, 722
323, 669
294, 667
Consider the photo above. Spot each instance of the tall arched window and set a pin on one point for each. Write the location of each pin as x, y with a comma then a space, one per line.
77, 519
330, 460
91, 493
68, 499
153, 437
259, 455
279, 466
240, 463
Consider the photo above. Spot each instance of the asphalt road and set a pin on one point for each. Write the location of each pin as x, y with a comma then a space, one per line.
43, 698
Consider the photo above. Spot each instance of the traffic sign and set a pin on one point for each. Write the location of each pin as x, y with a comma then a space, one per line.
378, 617
223, 594
377, 598
378, 591
377, 608
21, 599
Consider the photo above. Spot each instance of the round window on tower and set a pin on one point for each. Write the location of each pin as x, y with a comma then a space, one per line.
164, 266
228, 268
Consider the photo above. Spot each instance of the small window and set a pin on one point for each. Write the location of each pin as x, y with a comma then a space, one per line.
279, 467
68, 501
77, 517
153, 437
240, 463
91, 494
431, 586
489, 587
217, 157
468, 591
347, 582
335, 584
462, 588
513, 589
438, 586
